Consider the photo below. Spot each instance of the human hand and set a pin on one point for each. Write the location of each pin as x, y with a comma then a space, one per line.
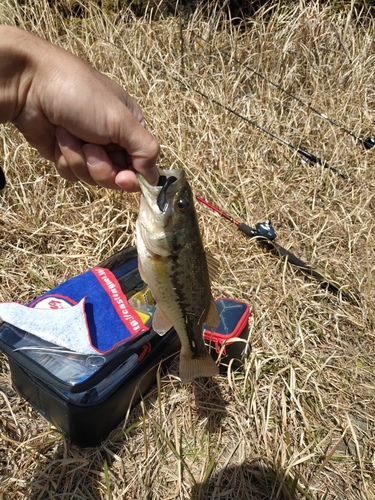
80, 119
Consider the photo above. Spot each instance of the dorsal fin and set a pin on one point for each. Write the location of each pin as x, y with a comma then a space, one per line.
213, 266
213, 316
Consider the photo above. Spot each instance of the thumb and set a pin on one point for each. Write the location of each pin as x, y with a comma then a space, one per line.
142, 148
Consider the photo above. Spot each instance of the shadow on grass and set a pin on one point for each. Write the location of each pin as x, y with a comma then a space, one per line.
210, 405
251, 480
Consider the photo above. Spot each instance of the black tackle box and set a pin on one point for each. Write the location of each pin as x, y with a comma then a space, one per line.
87, 396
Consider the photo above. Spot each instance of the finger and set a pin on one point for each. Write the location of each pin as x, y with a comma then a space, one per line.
71, 149
118, 156
127, 180
132, 105
141, 146
100, 166
62, 166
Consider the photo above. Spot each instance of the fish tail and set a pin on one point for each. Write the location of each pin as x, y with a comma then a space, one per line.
191, 368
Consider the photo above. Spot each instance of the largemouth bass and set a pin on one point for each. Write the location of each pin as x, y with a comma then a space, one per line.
172, 261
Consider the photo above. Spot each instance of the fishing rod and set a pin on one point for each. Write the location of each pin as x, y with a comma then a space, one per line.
368, 143
265, 234
309, 157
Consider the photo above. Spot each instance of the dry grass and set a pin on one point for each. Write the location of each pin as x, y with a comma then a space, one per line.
299, 422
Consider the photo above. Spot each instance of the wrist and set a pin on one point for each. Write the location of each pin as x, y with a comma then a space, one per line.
16, 70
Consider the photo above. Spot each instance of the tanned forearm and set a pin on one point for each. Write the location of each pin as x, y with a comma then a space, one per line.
16, 70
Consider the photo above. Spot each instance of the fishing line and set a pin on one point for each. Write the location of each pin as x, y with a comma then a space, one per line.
368, 143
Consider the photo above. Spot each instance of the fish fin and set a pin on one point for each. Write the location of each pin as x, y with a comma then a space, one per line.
160, 323
213, 266
191, 368
213, 316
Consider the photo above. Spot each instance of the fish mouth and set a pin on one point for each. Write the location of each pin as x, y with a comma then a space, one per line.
162, 200
160, 195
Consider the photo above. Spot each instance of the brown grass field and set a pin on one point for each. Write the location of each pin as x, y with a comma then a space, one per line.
299, 421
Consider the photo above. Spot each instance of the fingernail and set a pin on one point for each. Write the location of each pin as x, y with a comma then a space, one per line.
93, 155
93, 161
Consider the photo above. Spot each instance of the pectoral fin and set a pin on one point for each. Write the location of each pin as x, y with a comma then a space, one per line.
160, 323
213, 317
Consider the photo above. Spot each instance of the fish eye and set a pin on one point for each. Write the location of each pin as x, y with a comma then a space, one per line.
182, 205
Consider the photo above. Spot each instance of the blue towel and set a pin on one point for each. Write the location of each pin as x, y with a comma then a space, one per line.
87, 314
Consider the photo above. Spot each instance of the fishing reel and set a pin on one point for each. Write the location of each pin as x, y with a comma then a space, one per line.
265, 229
369, 142
2, 179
